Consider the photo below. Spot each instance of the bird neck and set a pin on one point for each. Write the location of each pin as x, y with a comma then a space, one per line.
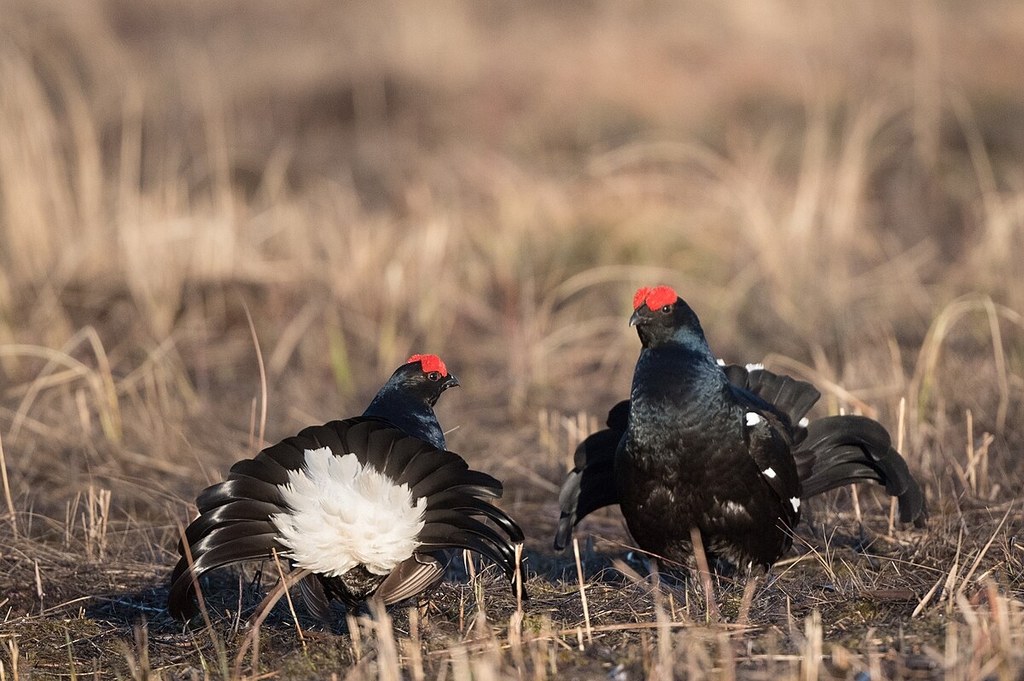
409, 413
677, 379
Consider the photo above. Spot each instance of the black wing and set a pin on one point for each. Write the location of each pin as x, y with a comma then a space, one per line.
590, 485
411, 578
769, 442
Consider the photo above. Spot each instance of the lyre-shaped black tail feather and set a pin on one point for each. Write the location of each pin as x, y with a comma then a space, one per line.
840, 450
457, 500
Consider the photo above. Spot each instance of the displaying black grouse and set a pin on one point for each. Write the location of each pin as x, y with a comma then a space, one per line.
723, 449
366, 505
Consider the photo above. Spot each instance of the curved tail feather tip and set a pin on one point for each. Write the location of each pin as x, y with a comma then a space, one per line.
840, 450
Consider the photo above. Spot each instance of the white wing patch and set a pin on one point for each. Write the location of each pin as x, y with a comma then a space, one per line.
796, 503
345, 514
804, 422
753, 418
721, 362
768, 472
755, 367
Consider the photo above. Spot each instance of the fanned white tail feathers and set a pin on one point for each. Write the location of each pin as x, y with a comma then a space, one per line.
240, 519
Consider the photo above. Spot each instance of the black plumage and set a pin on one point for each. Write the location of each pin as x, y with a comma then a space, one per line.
724, 449
398, 436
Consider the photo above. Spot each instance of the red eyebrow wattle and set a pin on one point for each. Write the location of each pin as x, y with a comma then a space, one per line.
429, 363
640, 296
656, 297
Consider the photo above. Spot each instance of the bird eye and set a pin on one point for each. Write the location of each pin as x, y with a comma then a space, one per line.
434, 375
666, 309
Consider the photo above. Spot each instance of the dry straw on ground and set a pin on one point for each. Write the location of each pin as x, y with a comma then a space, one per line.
835, 186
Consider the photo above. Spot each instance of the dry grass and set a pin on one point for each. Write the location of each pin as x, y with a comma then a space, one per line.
834, 186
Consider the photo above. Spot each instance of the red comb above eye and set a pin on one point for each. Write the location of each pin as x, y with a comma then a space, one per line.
656, 297
429, 363
660, 296
640, 296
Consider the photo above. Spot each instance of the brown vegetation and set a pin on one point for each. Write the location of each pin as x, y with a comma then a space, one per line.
835, 186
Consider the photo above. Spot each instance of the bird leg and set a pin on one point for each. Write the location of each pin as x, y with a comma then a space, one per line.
704, 571
749, 589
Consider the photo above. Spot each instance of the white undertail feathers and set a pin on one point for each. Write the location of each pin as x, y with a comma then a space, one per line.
343, 514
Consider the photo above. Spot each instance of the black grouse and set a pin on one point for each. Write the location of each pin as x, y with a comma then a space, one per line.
367, 504
727, 450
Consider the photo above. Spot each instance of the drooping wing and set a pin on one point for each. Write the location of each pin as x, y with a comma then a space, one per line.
590, 485
769, 444
316, 600
410, 578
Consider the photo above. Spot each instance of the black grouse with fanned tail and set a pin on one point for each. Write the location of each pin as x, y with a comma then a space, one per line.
727, 450
367, 504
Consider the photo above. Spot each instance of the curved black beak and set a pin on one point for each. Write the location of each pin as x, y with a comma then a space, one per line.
451, 381
641, 315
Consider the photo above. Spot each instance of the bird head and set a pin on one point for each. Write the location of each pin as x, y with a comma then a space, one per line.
425, 376
661, 316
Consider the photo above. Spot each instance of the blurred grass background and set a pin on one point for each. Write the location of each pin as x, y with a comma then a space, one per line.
838, 187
